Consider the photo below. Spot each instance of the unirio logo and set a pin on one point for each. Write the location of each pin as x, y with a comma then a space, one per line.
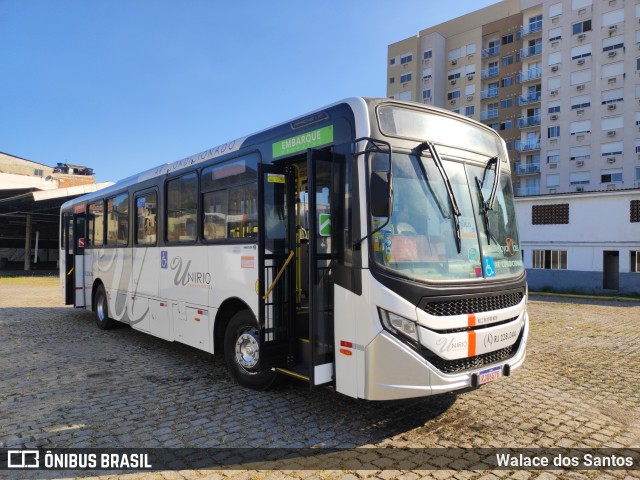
187, 278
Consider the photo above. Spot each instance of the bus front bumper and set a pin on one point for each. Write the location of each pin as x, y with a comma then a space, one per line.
395, 370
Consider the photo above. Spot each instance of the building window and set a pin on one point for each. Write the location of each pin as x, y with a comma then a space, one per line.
392, 62
406, 59
392, 80
426, 94
453, 95
634, 211
506, 103
428, 54
553, 132
582, 27
635, 262
557, 214
507, 39
553, 180
549, 259
506, 82
506, 125
405, 78
613, 175
613, 43
469, 110
555, 34
581, 101
581, 51
579, 178
507, 60
612, 96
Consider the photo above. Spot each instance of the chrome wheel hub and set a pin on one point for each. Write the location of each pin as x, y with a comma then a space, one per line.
248, 349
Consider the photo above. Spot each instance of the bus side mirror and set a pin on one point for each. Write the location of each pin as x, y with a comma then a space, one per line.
381, 194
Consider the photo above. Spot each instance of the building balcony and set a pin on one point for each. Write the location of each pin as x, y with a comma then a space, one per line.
530, 29
491, 93
529, 99
528, 146
488, 114
491, 52
527, 168
531, 51
529, 75
527, 122
490, 72
525, 191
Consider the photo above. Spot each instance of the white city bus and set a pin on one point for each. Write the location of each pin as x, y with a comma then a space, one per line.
371, 246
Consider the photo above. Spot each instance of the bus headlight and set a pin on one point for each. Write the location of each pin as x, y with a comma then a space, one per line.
397, 324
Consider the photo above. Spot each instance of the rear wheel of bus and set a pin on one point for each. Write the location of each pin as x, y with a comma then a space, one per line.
242, 352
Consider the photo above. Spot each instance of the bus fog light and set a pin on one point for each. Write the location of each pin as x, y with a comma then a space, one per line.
397, 324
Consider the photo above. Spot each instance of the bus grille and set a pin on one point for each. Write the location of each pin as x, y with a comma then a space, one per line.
470, 363
468, 305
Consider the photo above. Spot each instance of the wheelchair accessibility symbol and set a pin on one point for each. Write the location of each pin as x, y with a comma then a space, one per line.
489, 267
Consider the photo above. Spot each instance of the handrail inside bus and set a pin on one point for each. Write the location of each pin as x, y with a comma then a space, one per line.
287, 262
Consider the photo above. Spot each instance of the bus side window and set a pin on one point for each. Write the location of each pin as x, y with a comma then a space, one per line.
118, 220
70, 238
96, 224
230, 199
182, 206
146, 212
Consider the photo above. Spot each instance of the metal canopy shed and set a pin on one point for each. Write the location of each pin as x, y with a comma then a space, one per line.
30, 219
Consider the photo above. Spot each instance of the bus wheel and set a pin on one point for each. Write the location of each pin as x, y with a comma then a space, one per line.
102, 310
242, 352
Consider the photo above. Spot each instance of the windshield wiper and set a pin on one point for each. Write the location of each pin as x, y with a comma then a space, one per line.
488, 204
447, 183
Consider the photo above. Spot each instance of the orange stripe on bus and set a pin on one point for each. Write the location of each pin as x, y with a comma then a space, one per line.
471, 322
472, 344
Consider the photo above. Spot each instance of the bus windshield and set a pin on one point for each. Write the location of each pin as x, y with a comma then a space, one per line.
421, 239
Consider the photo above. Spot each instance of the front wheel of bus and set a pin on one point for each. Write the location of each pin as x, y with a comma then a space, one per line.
101, 307
242, 352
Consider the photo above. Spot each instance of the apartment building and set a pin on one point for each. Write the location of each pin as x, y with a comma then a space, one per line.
558, 79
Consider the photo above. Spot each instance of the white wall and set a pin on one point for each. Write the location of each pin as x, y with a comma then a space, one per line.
598, 221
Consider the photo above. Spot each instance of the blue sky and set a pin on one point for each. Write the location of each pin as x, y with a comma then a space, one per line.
124, 85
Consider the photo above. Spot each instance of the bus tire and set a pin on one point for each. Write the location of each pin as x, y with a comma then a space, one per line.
101, 308
242, 352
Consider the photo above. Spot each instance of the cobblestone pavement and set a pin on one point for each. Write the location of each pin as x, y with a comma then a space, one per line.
65, 383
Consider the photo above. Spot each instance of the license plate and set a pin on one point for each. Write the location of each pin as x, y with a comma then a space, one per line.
489, 375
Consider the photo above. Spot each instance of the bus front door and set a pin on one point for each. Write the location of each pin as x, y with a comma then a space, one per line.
74, 259
322, 179
276, 280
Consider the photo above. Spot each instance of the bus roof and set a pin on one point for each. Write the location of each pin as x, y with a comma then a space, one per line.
359, 105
